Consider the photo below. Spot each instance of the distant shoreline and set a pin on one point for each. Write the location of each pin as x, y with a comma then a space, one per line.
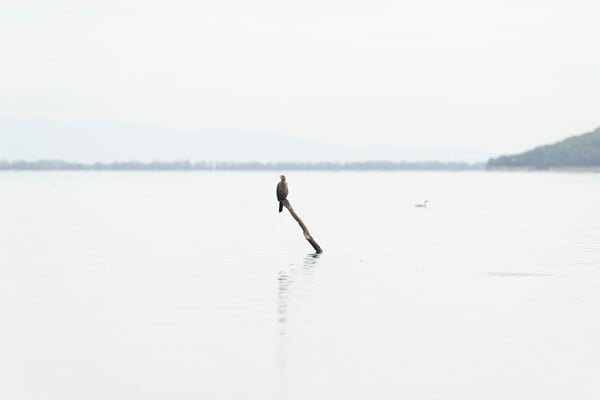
241, 166
276, 166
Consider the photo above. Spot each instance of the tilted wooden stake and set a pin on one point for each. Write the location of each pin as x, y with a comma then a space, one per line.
305, 231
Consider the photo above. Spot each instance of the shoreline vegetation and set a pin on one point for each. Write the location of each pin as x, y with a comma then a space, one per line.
46, 165
56, 165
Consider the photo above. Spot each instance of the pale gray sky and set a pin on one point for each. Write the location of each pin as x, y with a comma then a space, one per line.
500, 76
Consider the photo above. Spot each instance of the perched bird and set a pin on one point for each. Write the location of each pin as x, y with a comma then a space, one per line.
282, 191
424, 205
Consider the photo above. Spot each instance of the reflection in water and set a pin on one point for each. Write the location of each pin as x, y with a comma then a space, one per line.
295, 282
283, 296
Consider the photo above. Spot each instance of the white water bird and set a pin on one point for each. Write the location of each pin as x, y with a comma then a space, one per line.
424, 205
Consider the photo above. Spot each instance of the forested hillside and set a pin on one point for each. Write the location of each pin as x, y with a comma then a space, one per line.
580, 151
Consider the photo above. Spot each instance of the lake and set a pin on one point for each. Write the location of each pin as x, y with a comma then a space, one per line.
174, 285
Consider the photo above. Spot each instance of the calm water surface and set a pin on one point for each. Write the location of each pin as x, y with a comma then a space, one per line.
193, 286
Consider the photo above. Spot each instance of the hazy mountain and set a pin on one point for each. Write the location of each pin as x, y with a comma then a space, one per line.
90, 141
576, 151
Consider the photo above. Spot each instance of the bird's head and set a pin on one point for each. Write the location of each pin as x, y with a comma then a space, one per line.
282, 177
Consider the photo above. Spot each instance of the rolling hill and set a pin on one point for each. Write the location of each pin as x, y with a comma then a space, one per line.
110, 141
581, 151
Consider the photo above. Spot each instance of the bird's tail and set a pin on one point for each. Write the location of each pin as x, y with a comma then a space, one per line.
280, 206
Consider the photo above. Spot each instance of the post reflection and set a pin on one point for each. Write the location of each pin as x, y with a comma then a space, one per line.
293, 288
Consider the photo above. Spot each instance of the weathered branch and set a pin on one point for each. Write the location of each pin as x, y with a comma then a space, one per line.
305, 231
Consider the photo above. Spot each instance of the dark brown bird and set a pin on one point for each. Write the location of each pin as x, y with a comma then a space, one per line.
282, 191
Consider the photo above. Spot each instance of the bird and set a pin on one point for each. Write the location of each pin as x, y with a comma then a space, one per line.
424, 205
282, 191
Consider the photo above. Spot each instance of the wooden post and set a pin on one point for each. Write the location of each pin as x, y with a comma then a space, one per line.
305, 231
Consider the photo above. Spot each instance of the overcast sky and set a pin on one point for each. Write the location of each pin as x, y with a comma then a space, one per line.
500, 76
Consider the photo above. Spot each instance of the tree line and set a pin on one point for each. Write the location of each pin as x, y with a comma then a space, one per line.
57, 165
